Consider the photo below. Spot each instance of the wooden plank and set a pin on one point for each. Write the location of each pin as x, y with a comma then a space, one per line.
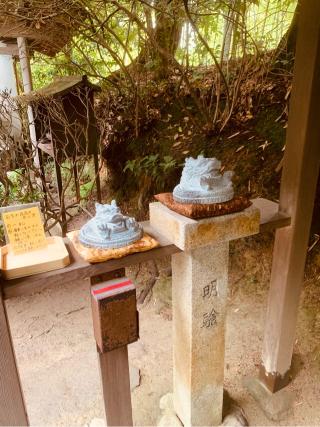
9, 49
77, 270
115, 379
270, 217
12, 407
52, 257
80, 269
298, 186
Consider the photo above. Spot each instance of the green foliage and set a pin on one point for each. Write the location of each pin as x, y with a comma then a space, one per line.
86, 177
152, 166
111, 38
19, 190
86, 189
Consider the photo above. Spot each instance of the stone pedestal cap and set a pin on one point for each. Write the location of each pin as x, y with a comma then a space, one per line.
187, 233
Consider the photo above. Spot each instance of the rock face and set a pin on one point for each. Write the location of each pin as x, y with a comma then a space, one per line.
110, 229
201, 182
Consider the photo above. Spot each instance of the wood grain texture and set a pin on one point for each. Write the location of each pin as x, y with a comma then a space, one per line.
80, 269
270, 216
298, 185
12, 407
114, 314
95, 255
114, 368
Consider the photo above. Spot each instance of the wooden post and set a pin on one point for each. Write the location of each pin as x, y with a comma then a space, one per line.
63, 216
115, 380
76, 179
97, 173
115, 323
298, 186
12, 407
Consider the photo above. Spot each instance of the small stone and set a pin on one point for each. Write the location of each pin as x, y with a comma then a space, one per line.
276, 406
233, 420
233, 413
134, 377
166, 403
169, 420
97, 422
168, 416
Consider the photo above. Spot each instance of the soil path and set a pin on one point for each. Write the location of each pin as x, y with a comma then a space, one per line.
52, 333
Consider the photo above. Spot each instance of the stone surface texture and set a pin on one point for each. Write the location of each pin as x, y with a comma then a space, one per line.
199, 296
276, 406
187, 233
199, 308
135, 377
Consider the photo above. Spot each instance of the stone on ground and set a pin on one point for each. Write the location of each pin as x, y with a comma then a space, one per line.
276, 406
97, 422
134, 377
168, 416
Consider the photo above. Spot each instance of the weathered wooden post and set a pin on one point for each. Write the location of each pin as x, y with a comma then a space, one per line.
297, 193
200, 284
115, 322
12, 406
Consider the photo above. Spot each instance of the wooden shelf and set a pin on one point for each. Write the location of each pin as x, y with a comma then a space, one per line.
80, 269
270, 217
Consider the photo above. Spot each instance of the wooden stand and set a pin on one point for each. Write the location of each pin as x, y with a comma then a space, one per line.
115, 324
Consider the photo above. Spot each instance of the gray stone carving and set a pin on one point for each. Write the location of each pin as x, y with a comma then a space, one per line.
110, 229
201, 182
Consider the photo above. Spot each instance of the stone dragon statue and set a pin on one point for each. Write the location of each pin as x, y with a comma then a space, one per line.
201, 182
109, 228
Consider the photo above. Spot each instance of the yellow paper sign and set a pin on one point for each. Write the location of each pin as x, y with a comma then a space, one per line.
24, 229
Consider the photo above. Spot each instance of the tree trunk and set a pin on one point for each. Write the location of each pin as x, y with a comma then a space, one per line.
227, 32
167, 31
239, 16
287, 46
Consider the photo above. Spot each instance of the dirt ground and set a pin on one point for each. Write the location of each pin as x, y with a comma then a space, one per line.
52, 333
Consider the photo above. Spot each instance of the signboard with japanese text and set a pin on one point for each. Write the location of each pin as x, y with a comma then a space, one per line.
24, 229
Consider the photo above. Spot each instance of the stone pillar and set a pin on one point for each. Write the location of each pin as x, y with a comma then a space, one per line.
199, 289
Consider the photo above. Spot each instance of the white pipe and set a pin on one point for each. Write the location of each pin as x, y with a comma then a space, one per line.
27, 86
7, 80
9, 118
